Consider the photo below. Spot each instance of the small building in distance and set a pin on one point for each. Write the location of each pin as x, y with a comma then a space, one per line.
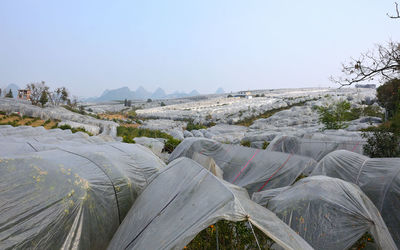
244, 94
366, 86
24, 94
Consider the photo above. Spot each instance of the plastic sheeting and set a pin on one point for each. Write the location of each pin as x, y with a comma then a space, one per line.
253, 169
316, 148
328, 213
72, 194
10, 105
379, 178
184, 199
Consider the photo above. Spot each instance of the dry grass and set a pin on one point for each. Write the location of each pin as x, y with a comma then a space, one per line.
127, 125
112, 116
16, 120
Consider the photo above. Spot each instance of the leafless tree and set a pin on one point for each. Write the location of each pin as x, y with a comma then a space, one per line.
58, 96
382, 63
36, 91
397, 12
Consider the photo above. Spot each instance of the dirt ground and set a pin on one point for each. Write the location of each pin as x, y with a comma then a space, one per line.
113, 116
5, 119
129, 125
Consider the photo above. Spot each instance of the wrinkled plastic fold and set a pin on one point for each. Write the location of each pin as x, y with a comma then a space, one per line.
184, 199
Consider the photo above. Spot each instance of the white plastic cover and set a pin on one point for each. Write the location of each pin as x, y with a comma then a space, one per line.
253, 169
185, 198
317, 147
378, 178
328, 213
72, 194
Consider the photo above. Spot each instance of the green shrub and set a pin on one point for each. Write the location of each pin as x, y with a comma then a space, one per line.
231, 235
170, 145
64, 127
128, 133
388, 96
127, 140
382, 143
132, 114
74, 130
3, 113
335, 115
245, 143
191, 126
81, 129
265, 145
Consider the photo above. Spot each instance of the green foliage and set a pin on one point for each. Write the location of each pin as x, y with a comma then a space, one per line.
231, 235
9, 94
171, 144
265, 145
388, 96
191, 126
43, 98
162, 104
382, 143
132, 114
362, 242
3, 113
245, 143
47, 122
74, 130
371, 110
149, 100
128, 140
335, 115
128, 133
65, 126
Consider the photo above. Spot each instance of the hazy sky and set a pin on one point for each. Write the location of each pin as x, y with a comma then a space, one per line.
90, 46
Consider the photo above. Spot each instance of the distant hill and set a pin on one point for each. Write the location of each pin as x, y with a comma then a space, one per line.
159, 94
141, 93
116, 94
220, 91
194, 93
14, 89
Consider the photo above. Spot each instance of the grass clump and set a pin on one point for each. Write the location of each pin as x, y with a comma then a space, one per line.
74, 130
191, 126
231, 235
128, 133
245, 143
265, 145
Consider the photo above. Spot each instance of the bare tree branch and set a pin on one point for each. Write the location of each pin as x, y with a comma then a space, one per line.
397, 12
382, 63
